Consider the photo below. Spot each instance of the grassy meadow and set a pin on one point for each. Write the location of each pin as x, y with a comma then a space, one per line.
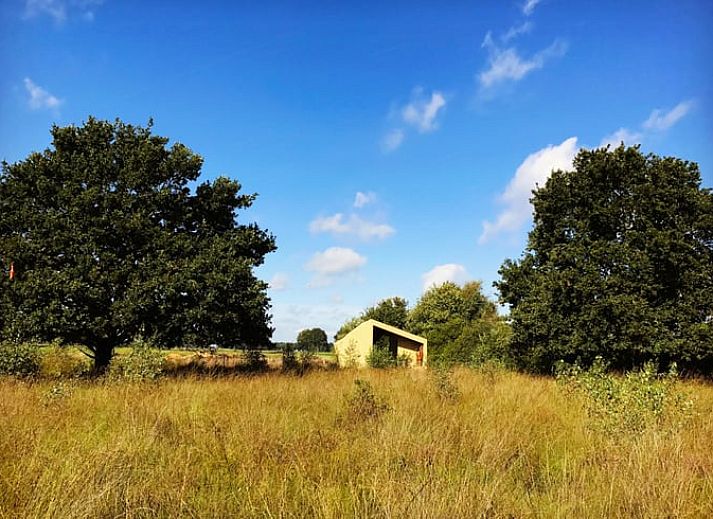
400, 443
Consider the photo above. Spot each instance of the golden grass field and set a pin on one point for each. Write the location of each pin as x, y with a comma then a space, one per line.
285, 446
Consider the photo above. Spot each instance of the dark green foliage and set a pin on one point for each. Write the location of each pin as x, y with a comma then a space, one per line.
392, 311
255, 360
313, 339
289, 358
109, 241
380, 356
619, 265
19, 359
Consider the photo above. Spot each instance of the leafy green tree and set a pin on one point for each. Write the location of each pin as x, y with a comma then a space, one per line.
392, 311
452, 317
313, 339
619, 264
109, 241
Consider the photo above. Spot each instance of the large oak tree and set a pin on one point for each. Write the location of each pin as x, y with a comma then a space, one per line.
619, 264
110, 238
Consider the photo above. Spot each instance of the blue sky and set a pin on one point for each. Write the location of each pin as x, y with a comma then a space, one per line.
393, 144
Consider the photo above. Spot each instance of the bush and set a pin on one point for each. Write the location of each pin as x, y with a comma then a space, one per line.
296, 361
56, 394
143, 363
404, 360
481, 341
364, 403
350, 357
446, 387
19, 359
380, 358
255, 360
60, 362
631, 403
289, 359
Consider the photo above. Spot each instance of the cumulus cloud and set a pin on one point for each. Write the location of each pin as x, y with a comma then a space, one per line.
354, 226
506, 64
536, 168
660, 120
40, 98
280, 281
441, 273
362, 199
529, 7
333, 262
534, 171
392, 140
422, 111
60, 10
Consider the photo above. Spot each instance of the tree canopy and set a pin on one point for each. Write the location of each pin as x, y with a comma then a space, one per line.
459, 322
313, 339
109, 240
619, 264
392, 311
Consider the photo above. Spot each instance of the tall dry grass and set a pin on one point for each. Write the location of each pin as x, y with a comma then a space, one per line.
503, 445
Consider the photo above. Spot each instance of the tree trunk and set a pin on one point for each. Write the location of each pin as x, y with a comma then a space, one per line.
102, 357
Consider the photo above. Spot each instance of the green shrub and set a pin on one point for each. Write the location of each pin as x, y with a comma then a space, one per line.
350, 357
19, 359
61, 362
364, 403
629, 403
297, 361
144, 362
404, 360
255, 360
57, 393
380, 358
289, 359
446, 387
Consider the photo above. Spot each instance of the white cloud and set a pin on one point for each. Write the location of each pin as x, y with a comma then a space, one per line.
333, 262
506, 64
336, 260
56, 9
534, 171
660, 120
442, 273
529, 7
536, 168
516, 30
39, 97
362, 199
421, 112
624, 135
60, 10
392, 140
280, 281
356, 226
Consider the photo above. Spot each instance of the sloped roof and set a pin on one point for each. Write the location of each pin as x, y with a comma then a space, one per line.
394, 330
